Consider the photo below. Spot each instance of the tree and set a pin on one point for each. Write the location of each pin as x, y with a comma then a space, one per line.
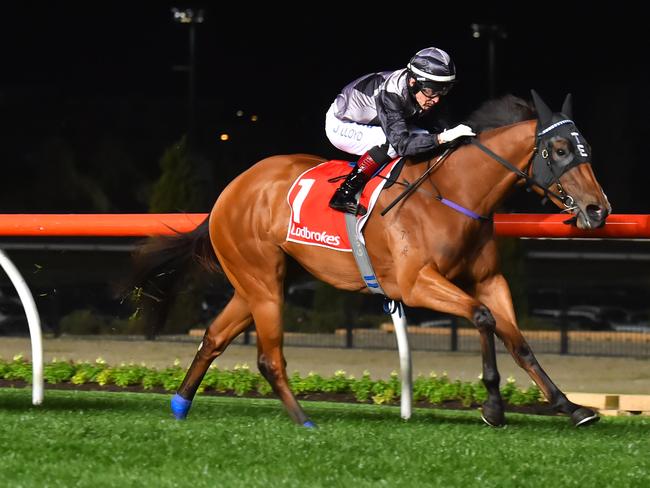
178, 188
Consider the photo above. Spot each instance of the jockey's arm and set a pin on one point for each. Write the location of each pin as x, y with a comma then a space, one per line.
391, 119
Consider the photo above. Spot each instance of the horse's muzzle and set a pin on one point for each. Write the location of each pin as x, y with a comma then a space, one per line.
594, 216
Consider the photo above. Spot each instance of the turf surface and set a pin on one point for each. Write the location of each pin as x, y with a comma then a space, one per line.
127, 439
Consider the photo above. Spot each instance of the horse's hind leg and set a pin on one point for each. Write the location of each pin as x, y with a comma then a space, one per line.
270, 359
256, 269
494, 292
232, 320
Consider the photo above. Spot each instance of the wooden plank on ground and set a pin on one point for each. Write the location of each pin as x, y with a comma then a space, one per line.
634, 403
601, 401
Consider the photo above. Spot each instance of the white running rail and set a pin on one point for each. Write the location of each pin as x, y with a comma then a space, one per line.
34, 322
401, 334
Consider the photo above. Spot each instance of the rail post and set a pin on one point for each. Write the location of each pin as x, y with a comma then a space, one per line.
453, 336
34, 323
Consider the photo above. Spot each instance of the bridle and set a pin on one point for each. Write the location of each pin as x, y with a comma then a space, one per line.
541, 171
542, 164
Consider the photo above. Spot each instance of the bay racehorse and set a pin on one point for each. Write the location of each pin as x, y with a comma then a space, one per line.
425, 253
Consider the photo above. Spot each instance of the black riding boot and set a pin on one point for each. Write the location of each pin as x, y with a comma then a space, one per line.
344, 199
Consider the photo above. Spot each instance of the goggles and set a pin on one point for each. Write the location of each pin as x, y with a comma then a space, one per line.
432, 90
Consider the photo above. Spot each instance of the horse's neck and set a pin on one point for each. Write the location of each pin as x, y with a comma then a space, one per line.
475, 180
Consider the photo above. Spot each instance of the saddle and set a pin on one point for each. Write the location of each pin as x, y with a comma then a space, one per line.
312, 222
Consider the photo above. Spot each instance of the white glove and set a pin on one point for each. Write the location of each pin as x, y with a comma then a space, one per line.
449, 135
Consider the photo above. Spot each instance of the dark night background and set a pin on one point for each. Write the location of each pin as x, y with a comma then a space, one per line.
90, 100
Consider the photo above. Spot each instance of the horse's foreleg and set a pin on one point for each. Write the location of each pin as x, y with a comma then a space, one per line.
233, 319
495, 293
270, 359
432, 290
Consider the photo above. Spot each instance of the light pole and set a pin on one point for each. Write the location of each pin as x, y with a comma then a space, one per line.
492, 32
191, 18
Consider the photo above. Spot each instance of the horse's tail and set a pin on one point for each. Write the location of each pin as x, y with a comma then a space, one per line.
174, 254
159, 265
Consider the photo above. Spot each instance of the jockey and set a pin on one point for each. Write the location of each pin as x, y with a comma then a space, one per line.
375, 116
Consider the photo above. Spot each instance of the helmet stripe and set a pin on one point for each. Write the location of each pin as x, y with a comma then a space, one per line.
429, 76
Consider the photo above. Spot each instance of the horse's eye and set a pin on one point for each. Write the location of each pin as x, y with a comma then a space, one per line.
561, 152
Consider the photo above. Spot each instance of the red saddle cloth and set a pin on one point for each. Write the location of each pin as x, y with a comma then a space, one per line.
312, 221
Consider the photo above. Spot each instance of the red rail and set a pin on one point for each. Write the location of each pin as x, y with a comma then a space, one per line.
631, 226
97, 225
622, 226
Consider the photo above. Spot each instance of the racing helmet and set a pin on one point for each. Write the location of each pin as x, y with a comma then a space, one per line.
433, 71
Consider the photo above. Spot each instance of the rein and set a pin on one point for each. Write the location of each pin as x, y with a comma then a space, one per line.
560, 195
530, 181
413, 186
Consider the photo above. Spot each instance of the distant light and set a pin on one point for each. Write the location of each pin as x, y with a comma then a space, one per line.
239, 113
491, 31
253, 118
224, 137
188, 16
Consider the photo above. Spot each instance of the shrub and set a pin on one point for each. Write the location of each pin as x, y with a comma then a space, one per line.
241, 381
83, 321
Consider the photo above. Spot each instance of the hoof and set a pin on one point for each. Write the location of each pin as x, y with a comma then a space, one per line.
584, 416
310, 425
492, 416
180, 406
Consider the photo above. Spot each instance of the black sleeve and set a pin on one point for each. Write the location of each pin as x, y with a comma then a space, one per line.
391, 118
435, 121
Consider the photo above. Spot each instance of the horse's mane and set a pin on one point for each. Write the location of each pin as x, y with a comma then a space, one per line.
499, 112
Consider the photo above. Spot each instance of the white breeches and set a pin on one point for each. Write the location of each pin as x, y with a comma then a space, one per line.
354, 138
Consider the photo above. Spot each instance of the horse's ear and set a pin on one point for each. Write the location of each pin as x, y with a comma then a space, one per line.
544, 114
567, 106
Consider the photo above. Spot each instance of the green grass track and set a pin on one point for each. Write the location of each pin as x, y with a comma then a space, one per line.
99, 439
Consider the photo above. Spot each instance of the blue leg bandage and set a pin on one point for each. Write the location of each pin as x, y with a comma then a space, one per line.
180, 406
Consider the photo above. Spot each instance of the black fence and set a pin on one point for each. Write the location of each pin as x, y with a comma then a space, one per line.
590, 298
453, 338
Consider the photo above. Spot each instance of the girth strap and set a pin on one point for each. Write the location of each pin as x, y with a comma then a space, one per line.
361, 255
